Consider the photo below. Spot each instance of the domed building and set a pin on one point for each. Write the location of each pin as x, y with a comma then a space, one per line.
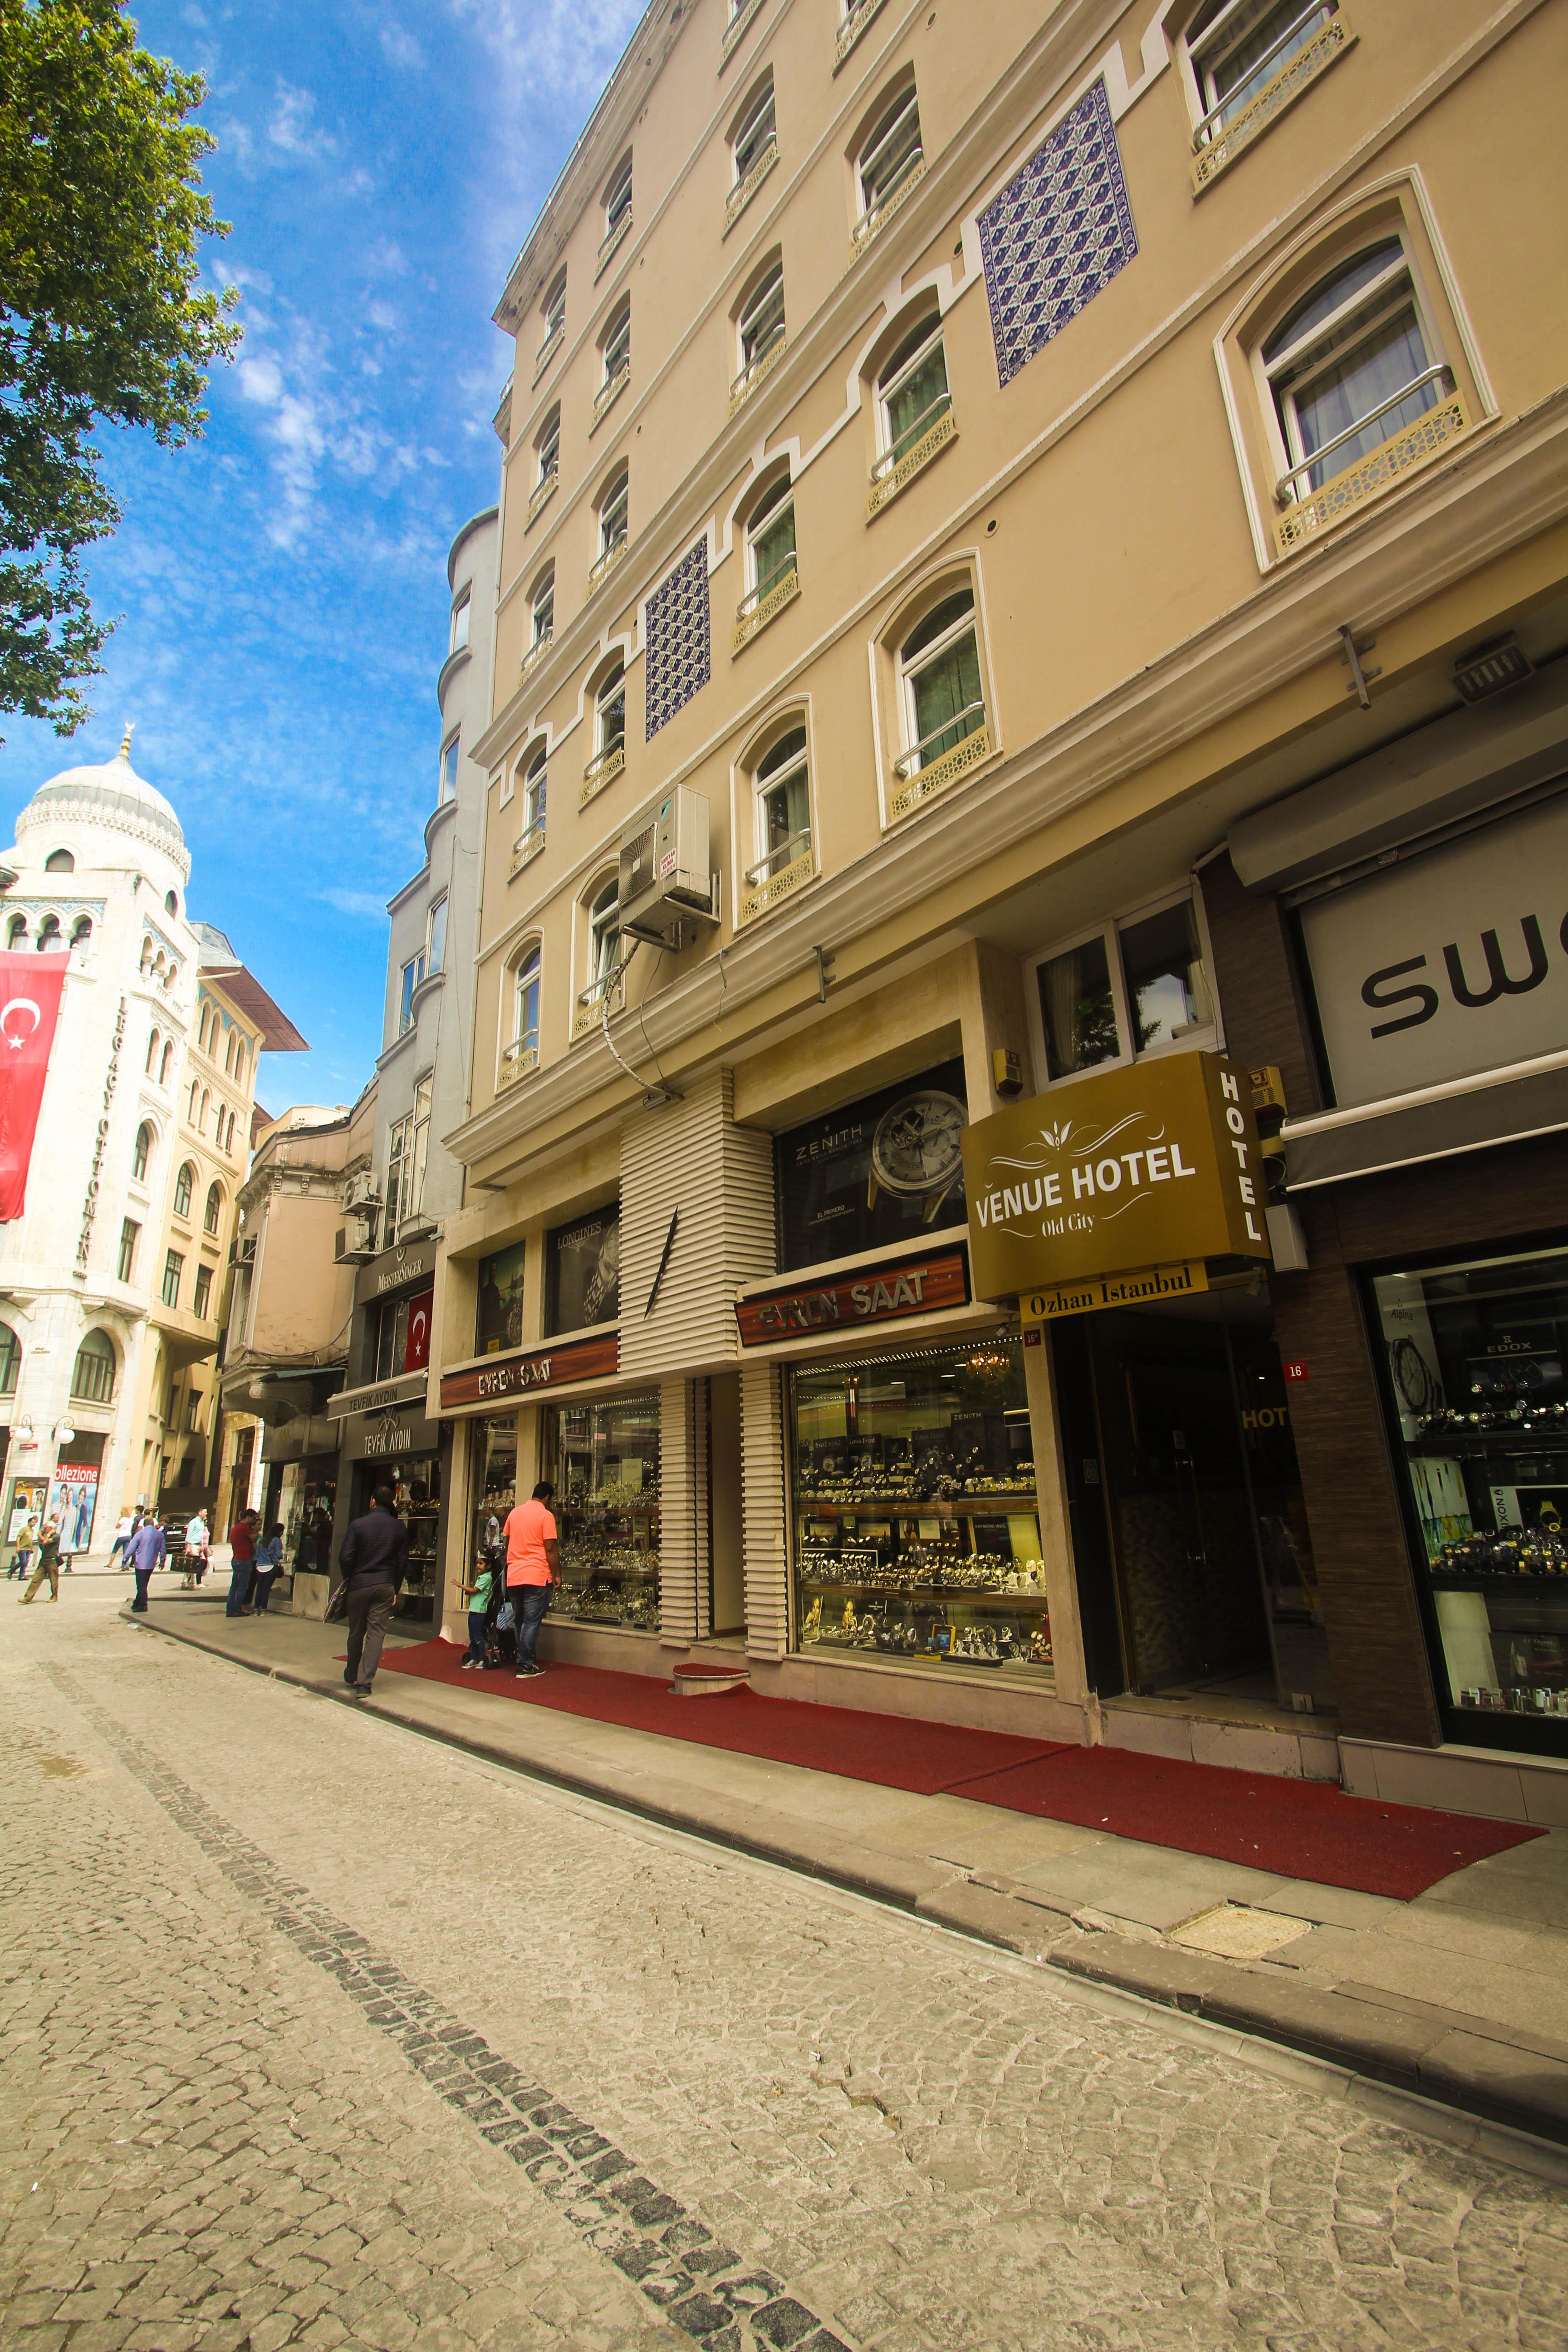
111, 1279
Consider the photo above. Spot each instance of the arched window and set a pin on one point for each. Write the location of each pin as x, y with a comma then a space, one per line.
618, 201
195, 1092
17, 933
202, 1121
553, 311
890, 160
912, 393
616, 345
214, 1216
603, 935
544, 608
939, 688
760, 325
521, 1050
50, 934
610, 710
783, 808
1236, 52
228, 1054
228, 1142
770, 538
241, 1055
146, 965
614, 508
535, 788
185, 1184
756, 130
165, 1065
92, 1380
59, 861
171, 902
81, 931
1350, 366
547, 446
142, 1153
10, 1359
151, 1052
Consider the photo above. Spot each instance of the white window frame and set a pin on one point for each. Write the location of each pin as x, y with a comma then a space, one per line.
908, 670
747, 134
1203, 52
617, 343
535, 788
617, 501
760, 299
409, 978
767, 512
435, 951
525, 976
543, 600
446, 783
1395, 288
611, 687
462, 622
1208, 1038
884, 132
886, 389
802, 844
548, 446
604, 914
618, 196
553, 311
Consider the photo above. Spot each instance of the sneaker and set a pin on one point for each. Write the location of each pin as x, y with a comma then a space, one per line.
525, 1674
362, 1690
469, 1664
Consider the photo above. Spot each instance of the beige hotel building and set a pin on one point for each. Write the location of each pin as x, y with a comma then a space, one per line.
1029, 638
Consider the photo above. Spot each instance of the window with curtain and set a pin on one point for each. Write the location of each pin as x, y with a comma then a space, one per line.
770, 537
549, 445
1238, 46
544, 608
185, 1184
891, 153
535, 788
618, 199
603, 933
913, 388
610, 711
554, 309
612, 512
939, 663
619, 340
762, 319
783, 805
1351, 366
525, 1004
757, 127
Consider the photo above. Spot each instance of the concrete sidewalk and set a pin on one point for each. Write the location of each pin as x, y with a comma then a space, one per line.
1461, 1995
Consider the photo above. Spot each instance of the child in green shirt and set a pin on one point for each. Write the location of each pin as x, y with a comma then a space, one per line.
478, 1600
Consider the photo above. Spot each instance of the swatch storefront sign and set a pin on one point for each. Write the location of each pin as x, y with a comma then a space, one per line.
1154, 1169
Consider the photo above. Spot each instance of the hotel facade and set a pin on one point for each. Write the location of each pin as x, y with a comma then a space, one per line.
1013, 1171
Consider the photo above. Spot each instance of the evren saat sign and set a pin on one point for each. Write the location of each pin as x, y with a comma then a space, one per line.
1156, 1166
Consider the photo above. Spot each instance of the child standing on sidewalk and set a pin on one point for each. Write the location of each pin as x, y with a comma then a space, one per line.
478, 1600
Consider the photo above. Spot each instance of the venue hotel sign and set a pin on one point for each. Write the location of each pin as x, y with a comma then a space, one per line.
1151, 1168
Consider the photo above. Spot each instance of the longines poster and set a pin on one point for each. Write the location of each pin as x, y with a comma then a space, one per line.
883, 1169
584, 1262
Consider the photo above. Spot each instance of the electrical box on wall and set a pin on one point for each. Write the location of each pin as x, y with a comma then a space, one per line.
666, 876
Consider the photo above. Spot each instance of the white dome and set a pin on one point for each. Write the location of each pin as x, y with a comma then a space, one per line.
112, 798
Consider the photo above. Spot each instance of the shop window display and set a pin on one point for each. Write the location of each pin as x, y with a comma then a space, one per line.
416, 1481
1475, 1354
495, 1484
604, 1459
917, 1534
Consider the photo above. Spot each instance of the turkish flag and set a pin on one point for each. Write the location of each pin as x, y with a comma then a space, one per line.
30, 988
416, 1346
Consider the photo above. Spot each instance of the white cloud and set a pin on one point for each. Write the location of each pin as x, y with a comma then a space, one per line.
364, 903
401, 47
292, 127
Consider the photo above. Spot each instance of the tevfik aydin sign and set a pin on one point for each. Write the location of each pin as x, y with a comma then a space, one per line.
1155, 1166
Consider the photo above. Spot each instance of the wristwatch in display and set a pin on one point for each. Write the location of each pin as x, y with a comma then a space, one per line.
915, 1150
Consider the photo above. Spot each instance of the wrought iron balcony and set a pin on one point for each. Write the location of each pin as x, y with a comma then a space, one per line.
780, 587
931, 432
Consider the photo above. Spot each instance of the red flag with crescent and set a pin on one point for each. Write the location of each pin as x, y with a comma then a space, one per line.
416, 1346
30, 988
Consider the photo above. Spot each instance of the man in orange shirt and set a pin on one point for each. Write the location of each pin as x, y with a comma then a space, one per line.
533, 1565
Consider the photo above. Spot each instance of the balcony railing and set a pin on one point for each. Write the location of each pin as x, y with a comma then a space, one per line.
913, 449
611, 239
1216, 141
923, 771
543, 492
610, 390
548, 349
609, 989
871, 224
536, 653
517, 1059
777, 875
602, 769
780, 587
760, 364
526, 848
737, 25
1305, 515
856, 20
750, 180
600, 571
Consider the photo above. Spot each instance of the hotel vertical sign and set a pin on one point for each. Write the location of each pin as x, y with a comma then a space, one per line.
1152, 1166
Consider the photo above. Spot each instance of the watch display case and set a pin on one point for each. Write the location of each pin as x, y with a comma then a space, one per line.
1475, 1354
416, 1481
916, 1528
604, 1459
494, 1488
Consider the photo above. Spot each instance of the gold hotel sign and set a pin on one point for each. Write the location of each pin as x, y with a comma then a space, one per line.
1152, 1169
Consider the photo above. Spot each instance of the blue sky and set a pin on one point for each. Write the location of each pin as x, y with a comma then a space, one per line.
283, 582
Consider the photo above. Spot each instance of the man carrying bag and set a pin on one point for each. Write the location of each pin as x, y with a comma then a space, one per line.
373, 1563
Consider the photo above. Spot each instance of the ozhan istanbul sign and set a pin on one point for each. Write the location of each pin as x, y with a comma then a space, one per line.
1148, 1171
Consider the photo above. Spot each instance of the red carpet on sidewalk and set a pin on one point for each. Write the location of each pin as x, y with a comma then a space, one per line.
1294, 1829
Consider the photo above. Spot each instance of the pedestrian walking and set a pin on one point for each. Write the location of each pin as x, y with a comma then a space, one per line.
269, 1560
22, 1558
373, 1561
124, 1528
242, 1553
478, 1598
147, 1551
197, 1541
48, 1561
532, 1567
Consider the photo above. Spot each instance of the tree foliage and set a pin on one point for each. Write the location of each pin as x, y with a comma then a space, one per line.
101, 317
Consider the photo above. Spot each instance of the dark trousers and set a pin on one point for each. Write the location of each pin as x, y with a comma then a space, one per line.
530, 1601
143, 1578
266, 1578
476, 1648
369, 1615
239, 1586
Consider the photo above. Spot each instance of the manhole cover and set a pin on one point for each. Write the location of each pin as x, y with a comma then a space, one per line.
1233, 1931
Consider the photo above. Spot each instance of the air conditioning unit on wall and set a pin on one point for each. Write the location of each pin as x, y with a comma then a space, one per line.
361, 1192
667, 877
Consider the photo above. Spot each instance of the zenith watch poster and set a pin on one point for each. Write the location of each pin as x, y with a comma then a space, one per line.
887, 1169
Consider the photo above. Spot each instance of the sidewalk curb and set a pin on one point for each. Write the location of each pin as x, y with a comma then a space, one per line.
1446, 2058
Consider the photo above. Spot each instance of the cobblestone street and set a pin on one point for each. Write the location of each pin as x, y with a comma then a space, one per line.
317, 2033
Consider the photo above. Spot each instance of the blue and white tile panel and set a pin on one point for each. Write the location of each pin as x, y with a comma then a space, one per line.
1060, 231
677, 639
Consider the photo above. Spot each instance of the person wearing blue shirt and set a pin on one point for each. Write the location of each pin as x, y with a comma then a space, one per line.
145, 1552
269, 1560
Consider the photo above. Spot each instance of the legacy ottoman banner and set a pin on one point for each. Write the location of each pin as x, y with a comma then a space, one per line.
1155, 1166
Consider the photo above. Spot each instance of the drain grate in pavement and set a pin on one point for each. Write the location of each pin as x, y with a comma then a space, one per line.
652, 2239
1234, 1931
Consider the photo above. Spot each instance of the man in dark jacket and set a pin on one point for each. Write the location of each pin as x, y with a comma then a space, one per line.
373, 1563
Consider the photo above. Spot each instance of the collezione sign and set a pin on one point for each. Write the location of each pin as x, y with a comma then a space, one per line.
1124, 1172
